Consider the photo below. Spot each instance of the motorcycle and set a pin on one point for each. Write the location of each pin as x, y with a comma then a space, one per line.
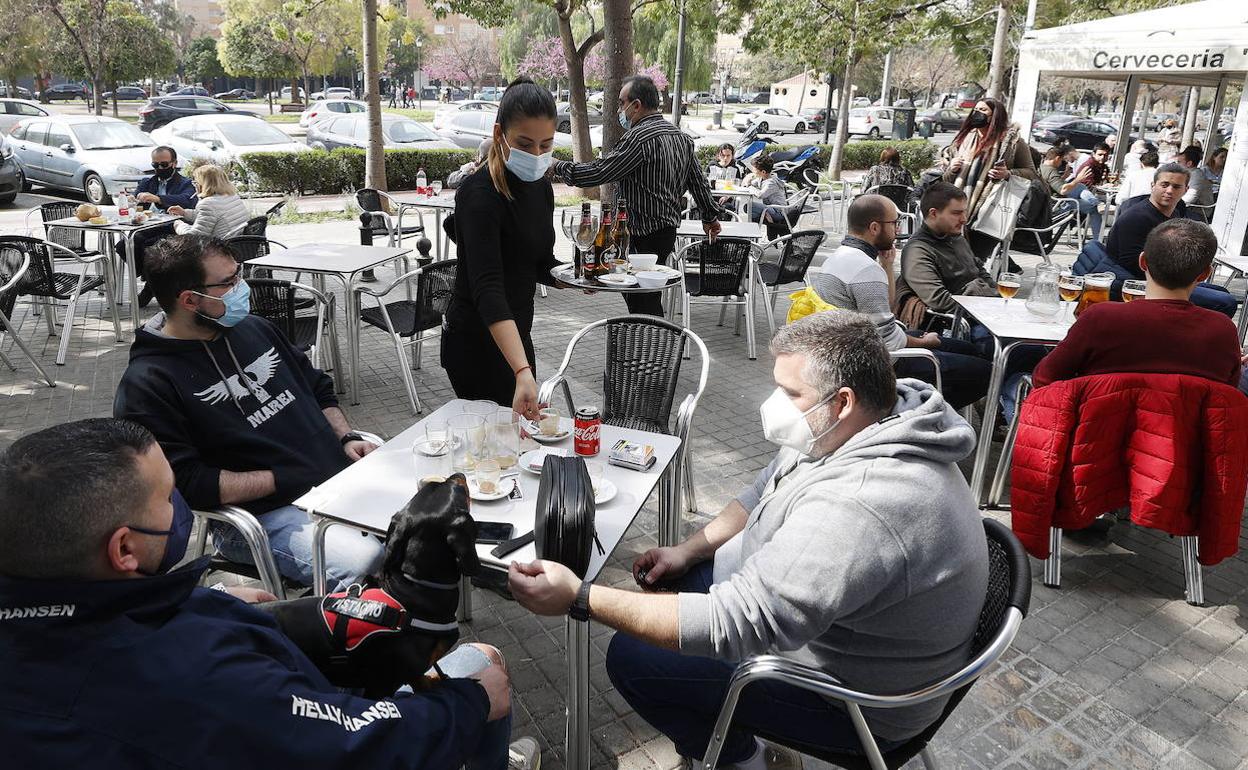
791, 163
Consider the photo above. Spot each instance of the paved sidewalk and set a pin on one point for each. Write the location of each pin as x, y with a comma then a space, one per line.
1114, 670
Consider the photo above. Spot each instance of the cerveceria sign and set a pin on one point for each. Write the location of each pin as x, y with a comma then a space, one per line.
1207, 59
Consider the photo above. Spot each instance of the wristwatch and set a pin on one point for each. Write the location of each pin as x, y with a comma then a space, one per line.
347, 438
580, 606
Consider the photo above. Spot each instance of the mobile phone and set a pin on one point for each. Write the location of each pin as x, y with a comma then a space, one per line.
1000, 163
494, 531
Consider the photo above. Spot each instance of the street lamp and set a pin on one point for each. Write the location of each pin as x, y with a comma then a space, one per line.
420, 91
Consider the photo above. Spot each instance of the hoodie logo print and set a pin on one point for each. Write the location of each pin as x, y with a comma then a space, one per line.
258, 372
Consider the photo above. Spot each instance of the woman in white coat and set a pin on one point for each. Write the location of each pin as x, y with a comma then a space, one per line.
220, 213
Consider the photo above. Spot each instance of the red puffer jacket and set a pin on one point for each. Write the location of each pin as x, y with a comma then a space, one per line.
1173, 446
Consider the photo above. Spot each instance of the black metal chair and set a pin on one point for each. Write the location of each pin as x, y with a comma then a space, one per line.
43, 282
793, 256
277, 301
387, 216
1005, 606
643, 358
249, 247
899, 194
71, 238
256, 226
412, 321
275, 209
1042, 240
724, 271
13, 266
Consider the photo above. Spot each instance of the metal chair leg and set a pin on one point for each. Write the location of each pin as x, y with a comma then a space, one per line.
1003, 462
691, 495
17, 340
1053, 564
50, 315
405, 370
723, 309
418, 345
929, 759
463, 612
1193, 579
749, 326
67, 328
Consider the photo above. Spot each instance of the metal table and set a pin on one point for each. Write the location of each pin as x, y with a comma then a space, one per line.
565, 277
346, 262
1239, 266
367, 493
690, 228
1011, 326
108, 245
437, 204
742, 197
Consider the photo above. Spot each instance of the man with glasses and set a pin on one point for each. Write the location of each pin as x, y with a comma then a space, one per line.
165, 188
242, 415
859, 276
654, 164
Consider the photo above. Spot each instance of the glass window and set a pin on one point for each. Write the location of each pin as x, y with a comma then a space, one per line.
208, 105
359, 130
248, 133
406, 131
110, 136
19, 131
57, 136
336, 107
21, 108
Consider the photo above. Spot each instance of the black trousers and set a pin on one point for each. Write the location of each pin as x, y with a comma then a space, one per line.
663, 243
476, 367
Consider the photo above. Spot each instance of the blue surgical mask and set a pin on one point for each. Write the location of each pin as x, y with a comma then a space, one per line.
624, 121
237, 305
179, 534
526, 165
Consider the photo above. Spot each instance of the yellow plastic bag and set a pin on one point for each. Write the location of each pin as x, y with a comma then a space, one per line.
804, 303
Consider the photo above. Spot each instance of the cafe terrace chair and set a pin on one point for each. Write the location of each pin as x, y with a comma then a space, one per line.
387, 215
793, 254
1005, 606
276, 300
723, 274
72, 238
639, 380
262, 567
43, 282
13, 266
411, 322
256, 226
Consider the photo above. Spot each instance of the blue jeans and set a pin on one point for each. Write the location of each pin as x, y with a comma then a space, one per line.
1088, 207
349, 554
461, 663
964, 372
1022, 360
680, 695
757, 209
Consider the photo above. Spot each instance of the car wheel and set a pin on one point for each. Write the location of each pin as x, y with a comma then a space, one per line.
95, 191
23, 182
565, 127
874, 133
762, 127
800, 128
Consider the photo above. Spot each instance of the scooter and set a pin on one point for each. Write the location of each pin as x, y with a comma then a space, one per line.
790, 163
752, 143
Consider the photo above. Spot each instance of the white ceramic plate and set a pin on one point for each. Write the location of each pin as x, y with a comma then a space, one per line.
535, 433
431, 449
505, 486
618, 279
605, 492
532, 461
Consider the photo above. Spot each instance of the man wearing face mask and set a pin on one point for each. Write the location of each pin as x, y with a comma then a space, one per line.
653, 164
243, 416
858, 549
164, 188
91, 612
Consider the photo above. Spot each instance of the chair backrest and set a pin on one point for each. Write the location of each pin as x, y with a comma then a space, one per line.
275, 300
1009, 584
798, 253
256, 226
435, 287
722, 265
275, 209
371, 200
249, 247
69, 237
13, 266
40, 277
642, 367
899, 194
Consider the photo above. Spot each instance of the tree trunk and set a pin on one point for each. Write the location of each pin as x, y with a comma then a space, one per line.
842, 118
575, 59
618, 39
996, 72
294, 88
113, 85
97, 89
375, 158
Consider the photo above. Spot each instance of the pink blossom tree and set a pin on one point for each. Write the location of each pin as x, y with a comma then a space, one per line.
464, 59
544, 61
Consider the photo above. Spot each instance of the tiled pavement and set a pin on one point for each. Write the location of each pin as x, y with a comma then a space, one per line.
1114, 670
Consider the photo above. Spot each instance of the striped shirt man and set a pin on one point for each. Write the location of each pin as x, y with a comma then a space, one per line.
653, 164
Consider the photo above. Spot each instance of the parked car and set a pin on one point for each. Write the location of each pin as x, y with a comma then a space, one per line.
815, 116
285, 93
941, 120
563, 121
1113, 118
12, 180
14, 92
774, 120
13, 110
96, 155
191, 91
223, 138
398, 133
701, 97
64, 92
163, 109
444, 113
328, 108
235, 93
1081, 133
336, 92
467, 129
762, 97
489, 94
872, 122
126, 92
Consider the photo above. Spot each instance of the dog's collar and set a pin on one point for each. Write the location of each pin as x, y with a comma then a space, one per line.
425, 625
430, 583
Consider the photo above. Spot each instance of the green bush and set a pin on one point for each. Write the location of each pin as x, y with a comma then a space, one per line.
328, 173
917, 155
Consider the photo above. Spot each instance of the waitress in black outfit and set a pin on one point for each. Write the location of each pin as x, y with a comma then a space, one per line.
505, 238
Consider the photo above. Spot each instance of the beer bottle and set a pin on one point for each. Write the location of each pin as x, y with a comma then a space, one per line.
602, 245
620, 234
583, 233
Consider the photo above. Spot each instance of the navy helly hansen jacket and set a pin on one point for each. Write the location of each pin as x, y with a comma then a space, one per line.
159, 673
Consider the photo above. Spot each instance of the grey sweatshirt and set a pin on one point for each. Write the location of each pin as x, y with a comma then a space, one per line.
869, 563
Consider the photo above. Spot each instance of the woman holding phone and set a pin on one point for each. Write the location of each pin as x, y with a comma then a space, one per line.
986, 149
504, 232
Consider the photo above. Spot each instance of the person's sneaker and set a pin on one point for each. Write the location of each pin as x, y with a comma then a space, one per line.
525, 754
781, 758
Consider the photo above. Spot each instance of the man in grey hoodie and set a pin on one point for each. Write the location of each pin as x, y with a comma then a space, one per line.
858, 550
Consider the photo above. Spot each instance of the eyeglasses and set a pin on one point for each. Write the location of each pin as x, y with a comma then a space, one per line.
228, 283
166, 164
892, 222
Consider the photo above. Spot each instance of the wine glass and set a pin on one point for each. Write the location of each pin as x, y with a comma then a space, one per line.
1008, 285
437, 187
585, 238
1069, 287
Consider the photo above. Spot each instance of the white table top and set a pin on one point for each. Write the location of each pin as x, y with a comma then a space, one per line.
339, 258
427, 202
1015, 322
744, 192
368, 493
690, 228
154, 220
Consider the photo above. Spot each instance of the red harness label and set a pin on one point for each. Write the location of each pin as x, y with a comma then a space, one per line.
355, 615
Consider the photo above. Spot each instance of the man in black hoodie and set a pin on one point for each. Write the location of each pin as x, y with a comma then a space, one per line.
243, 416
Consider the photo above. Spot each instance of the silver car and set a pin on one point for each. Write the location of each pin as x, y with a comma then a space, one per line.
13, 110
97, 155
469, 128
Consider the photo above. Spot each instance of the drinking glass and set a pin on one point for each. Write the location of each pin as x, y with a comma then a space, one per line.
435, 436
487, 474
586, 240
1069, 287
437, 187
504, 438
466, 432
1095, 289
596, 471
548, 421
1132, 290
1008, 285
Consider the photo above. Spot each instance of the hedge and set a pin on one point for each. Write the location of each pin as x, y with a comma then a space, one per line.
917, 155
331, 172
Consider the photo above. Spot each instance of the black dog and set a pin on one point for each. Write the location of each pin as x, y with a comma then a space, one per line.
380, 638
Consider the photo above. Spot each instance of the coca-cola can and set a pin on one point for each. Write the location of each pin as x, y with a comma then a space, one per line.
586, 431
